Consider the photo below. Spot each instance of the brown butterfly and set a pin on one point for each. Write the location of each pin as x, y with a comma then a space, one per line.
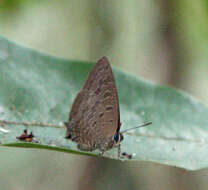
94, 120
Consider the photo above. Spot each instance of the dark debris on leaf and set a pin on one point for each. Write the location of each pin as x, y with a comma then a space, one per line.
129, 156
27, 137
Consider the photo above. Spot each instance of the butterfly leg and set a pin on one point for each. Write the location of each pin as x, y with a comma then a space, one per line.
101, 153
119, 151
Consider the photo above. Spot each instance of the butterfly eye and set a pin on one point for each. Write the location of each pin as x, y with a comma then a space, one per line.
116, 137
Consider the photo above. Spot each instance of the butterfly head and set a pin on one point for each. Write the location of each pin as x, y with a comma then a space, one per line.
111, 142
118, 137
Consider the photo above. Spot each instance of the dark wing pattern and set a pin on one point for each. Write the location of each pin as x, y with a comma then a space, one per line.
95, 117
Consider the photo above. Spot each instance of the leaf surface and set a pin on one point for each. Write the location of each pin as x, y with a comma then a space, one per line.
41, 88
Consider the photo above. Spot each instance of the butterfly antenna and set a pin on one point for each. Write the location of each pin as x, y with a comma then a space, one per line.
143, 125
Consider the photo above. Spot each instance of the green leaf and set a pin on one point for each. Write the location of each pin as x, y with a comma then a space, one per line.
39, 87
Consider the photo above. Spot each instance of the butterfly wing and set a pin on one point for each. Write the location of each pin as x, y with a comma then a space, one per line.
95, 116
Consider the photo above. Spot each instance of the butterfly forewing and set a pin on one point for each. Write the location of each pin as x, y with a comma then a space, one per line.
94, 116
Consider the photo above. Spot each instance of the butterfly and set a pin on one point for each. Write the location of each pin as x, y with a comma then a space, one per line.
94, 120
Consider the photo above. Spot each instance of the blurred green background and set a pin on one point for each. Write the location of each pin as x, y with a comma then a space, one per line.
163, 41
